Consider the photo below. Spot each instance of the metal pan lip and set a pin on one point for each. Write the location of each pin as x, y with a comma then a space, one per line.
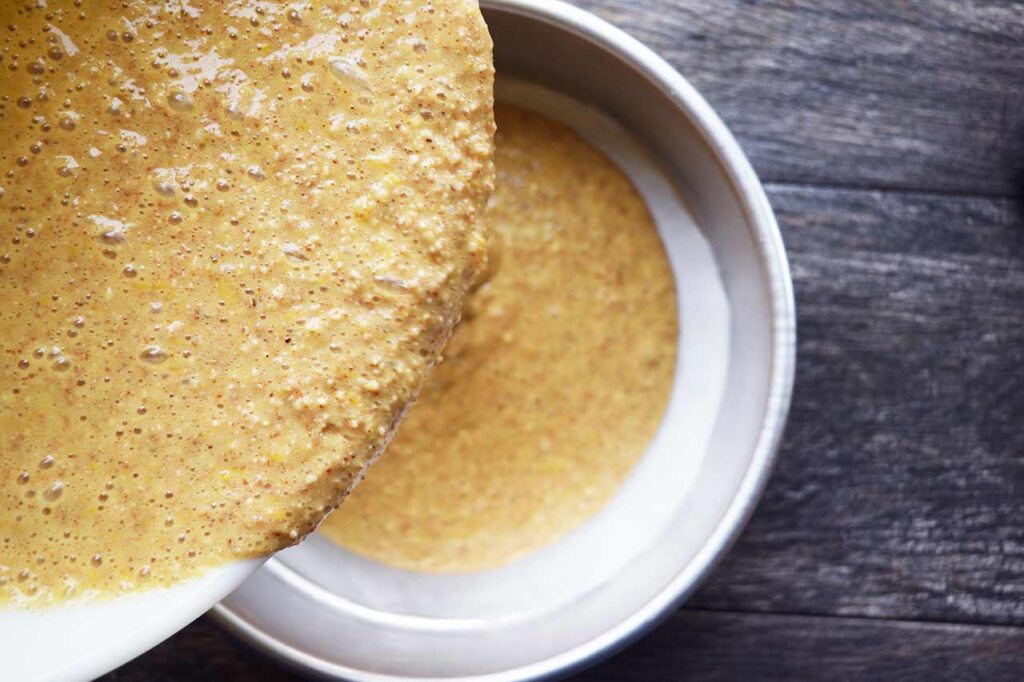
648, 66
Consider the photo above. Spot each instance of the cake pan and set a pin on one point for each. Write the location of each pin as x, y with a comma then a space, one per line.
335, 615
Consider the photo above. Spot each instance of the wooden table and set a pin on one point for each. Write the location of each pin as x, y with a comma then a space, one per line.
890, 542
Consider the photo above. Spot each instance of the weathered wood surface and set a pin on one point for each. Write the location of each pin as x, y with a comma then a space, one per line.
899, 490
731, 647
900, 486
922, 94
692, 646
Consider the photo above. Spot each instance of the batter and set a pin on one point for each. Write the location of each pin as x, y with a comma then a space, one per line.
553, 384
235, 236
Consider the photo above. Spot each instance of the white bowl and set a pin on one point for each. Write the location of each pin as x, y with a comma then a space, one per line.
83, 641
327, 611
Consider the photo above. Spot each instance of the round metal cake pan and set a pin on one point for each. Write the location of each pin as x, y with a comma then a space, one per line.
337, 616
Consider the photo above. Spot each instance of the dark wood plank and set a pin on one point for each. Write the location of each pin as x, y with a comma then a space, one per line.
922, 95
899, 487
731, 647
690, 646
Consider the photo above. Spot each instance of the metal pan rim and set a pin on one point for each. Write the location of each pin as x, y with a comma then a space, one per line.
771, 252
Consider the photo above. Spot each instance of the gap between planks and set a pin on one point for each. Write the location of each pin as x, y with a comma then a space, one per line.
771, 185
934, 623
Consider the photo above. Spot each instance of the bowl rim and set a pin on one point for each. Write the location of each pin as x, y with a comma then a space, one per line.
772, 254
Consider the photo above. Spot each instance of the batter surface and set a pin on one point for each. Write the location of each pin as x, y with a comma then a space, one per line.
235, 237
553, 384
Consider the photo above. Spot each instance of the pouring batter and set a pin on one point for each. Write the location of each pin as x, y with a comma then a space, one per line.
235, 237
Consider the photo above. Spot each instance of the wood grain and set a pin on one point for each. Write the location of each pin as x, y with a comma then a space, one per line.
736, 647
899, 485
924, 95
689, 647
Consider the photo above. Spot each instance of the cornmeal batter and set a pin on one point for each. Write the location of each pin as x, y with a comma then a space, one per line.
235, 236
552, 386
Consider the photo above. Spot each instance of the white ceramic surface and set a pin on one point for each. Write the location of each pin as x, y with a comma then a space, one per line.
83, 641
329, 612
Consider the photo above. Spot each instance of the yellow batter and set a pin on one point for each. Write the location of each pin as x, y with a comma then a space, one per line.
552, 386
235, 236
